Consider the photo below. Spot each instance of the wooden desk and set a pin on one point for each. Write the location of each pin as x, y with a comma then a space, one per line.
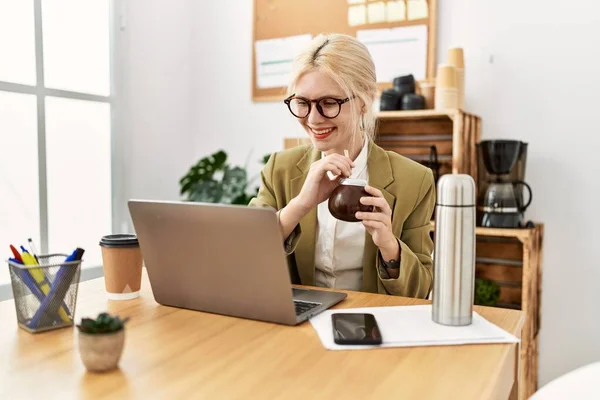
173, 353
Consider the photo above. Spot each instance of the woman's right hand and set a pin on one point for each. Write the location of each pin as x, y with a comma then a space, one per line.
318, 186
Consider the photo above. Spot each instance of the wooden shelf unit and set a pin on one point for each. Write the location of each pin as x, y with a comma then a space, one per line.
412, 133
499, 253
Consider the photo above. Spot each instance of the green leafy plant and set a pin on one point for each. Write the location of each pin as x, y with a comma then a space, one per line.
213, 180
105, 323
487, 292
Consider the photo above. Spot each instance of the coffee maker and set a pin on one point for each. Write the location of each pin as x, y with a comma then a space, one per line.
501, 186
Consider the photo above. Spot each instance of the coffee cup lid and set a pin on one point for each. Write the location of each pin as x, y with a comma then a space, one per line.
119, 240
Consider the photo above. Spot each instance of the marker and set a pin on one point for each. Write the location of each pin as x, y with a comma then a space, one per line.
16, 254
28, 259
76, 255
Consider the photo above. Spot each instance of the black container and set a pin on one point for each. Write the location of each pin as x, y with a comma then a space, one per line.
391, 100
404, 84
411, 101
500, 156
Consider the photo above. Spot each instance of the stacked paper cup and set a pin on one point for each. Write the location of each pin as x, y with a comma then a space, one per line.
446, 92
427, 90
456, 58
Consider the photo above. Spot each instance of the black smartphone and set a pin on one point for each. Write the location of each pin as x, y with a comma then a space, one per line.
355, 329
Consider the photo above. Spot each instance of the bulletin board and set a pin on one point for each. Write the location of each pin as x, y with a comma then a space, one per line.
286, 20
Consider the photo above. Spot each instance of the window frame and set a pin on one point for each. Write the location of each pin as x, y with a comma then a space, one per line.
41, 92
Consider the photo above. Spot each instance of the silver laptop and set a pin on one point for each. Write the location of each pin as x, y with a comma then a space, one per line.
222, 259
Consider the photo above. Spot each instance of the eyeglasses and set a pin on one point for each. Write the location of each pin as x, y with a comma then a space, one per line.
329, 107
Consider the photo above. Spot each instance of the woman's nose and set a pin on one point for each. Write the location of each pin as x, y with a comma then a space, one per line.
314, 116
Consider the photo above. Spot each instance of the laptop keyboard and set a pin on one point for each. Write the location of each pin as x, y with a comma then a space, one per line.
304, 306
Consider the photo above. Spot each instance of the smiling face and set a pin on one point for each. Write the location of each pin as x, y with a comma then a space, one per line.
329, 135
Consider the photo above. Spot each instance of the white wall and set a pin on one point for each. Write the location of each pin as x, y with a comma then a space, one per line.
225, 116
153, 92
541, 87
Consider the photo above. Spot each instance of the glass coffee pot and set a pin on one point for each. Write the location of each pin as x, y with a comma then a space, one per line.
503, 206
501, 182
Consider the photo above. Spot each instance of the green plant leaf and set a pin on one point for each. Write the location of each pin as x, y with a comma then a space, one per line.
202, 183
234, 184
487, 292
207, 192
242, 200
88, 325
104, 323
203, 170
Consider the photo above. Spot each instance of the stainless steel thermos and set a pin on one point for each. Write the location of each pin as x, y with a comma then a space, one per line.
454, 256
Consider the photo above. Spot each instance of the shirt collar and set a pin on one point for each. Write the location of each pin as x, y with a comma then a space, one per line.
361, 160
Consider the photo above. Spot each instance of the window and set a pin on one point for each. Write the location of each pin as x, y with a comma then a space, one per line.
17, 43
55, 126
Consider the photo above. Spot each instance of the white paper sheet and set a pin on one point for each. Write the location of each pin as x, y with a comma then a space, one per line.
396, 11
356, 1
417, 9
357, 15
274, 59
376, 12
397, 51
412, 326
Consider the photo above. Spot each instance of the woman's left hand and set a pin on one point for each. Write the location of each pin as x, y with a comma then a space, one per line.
379, 221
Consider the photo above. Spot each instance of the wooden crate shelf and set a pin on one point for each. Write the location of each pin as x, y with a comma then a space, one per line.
513, 258
412, 133
509, 248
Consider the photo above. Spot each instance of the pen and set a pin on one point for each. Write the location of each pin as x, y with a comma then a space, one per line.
34, 251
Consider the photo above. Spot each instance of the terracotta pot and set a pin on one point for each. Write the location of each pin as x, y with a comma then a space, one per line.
102, 351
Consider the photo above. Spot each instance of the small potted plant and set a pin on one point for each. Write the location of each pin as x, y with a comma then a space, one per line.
101, 342
487, 292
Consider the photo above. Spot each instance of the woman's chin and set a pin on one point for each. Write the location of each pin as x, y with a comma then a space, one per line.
320, 145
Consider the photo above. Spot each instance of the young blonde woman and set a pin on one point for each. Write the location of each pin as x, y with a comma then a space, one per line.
389, 251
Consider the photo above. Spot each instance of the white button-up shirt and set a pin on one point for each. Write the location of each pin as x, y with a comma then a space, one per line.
340, 245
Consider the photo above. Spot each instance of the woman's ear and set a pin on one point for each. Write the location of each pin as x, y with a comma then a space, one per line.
363, 107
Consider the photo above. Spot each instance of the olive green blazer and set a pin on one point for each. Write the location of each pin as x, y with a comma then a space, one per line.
407, 186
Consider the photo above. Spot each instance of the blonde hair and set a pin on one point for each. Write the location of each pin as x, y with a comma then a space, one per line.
348, 62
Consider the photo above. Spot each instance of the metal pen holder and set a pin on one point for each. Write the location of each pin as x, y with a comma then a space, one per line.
45, 294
